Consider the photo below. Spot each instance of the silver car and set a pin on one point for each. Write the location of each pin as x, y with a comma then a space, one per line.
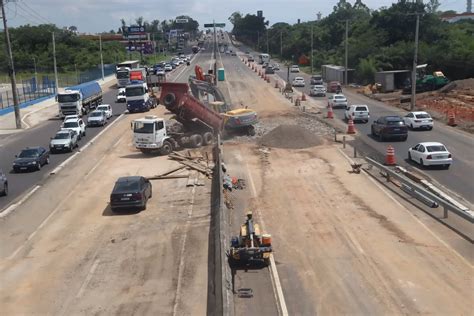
97, 118
64, 140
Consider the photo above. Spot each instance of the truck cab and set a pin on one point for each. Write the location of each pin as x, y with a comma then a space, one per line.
123, 77
138, 99
149, 134
70, 103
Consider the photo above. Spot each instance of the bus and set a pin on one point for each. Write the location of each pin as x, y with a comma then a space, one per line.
123, 72
263, 58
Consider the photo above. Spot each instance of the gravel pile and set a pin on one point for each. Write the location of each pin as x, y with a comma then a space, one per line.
290, 136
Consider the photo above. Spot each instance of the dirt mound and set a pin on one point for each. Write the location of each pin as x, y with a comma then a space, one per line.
290, 136
466, 84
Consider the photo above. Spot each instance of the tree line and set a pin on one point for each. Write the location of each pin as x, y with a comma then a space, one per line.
378, 39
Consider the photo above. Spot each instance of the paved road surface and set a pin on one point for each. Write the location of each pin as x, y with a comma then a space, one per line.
457, 179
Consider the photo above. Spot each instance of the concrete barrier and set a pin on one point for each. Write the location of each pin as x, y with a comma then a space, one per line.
220, 297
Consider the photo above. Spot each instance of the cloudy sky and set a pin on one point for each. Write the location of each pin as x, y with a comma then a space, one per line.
96, 16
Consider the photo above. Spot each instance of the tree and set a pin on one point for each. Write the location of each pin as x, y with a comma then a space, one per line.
139, 21
432, 6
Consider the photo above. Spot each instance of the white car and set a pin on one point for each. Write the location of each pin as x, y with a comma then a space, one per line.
430, 154
71, 117
76, 125
337, 100
168, 67
317, 90
357, 112
298, 82
295, 68
97, 118
106, 108
121, 95
418, 120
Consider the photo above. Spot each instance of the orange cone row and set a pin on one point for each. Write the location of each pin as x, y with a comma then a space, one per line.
350, 127
330, 112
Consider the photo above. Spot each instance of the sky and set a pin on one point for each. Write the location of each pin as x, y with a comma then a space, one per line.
93, 16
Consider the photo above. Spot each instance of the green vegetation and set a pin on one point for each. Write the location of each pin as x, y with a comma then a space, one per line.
378, 40
34, 43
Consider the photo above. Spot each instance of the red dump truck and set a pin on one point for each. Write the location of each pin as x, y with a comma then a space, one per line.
195, 123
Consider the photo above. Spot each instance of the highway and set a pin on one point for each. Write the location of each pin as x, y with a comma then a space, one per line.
457, 179
20, 183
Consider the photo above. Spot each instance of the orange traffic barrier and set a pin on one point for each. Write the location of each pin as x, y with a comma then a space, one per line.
390, 156
350, 127
303, 97
451, 118
330, 112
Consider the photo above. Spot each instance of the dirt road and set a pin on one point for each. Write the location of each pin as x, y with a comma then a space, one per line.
341, 244
84, 259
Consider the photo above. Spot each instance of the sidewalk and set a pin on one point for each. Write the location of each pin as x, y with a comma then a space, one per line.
37, 113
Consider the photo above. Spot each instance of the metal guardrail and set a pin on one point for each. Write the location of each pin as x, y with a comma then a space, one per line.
422, 194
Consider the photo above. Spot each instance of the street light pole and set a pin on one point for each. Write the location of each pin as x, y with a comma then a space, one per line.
101, 58
56, 81
36, 74
268, 51
415, 61
311, 49
347, 47
281, 44
11, 69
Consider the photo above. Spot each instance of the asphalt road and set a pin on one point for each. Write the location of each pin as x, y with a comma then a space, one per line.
20, 183
457, 179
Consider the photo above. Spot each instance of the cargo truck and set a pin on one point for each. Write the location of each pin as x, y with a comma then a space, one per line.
138, 74
138, 98
195, 123
80, 99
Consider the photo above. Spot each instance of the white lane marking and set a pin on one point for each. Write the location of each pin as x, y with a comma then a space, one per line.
182, 253
95, 166
12, 207
273, 268
384, 190
65, 162
88, 278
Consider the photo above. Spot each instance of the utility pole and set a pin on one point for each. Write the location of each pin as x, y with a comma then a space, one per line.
11, 70
36, 73
215, 53
154, 47
258, 40
101, 58
55, 67
347, 47
268, 51
281, 44
415, 62
311, 49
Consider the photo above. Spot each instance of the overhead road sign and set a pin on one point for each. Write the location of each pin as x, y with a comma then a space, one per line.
214, 24
136, 29
181, 20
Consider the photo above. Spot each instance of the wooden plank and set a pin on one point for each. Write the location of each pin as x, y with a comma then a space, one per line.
197, 167
168, 177
170, 171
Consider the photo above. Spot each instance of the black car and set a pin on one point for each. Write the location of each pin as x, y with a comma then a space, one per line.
269, 70
130, 192
31, 158
389, 127
3, 184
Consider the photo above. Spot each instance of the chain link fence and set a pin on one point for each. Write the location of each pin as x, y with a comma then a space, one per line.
44, 85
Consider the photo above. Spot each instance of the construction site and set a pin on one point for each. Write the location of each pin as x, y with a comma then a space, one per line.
280, 217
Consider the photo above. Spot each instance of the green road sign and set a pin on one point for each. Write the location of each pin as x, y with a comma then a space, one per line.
214, 24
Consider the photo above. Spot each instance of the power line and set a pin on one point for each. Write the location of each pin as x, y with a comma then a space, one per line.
35, 12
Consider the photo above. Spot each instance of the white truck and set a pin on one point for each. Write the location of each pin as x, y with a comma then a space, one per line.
80, 99
138, 98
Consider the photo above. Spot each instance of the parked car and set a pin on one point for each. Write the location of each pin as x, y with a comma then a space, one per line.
389, 127
96, 118
31, 158
295, 68
107, 109
276, 67
298, 82
64, 140
250, 58
3, 184
316, 80
121, 96
317, 91
357, 112
337, 101
76, 125
418, 120
269, 70
334, 87
430, 154
130, 192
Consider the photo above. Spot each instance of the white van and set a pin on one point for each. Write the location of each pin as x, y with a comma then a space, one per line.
263, 58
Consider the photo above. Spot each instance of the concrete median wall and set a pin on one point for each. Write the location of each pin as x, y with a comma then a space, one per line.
220, 296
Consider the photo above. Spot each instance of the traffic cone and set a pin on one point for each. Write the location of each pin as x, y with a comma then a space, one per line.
297, 101
303, 97
451, 118
351, 127
276, 84
330, 113
259, 73
390, 156
268, 79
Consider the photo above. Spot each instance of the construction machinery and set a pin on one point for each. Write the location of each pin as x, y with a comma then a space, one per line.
426, 82
251, 245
